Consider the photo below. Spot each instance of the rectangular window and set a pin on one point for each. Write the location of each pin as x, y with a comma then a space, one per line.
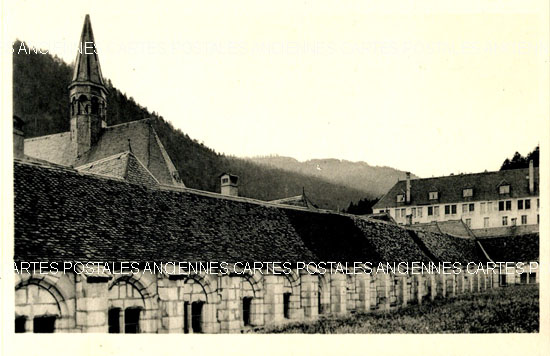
469, 192
527, 204
447, 209
436, 210
538, 203
430, 211
504, 220
489, 207
501, 206
471, 207
413, 212
514, 221
486, 222
464, 208
524, 220
508, 205
433, 195
44, 324
247, 303
131, 321
520, 204
20, 322
286, 305
403, 213
114, 321
196, 316
504, 189
419, 212
453, 209
469, 222
482, 208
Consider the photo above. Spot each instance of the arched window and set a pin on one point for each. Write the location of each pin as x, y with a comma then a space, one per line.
81, 104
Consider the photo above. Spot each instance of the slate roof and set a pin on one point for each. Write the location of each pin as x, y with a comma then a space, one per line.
521, 248
63, 214
485, 187
123, 165
138, 136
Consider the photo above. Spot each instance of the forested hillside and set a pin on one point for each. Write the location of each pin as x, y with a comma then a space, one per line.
40, 98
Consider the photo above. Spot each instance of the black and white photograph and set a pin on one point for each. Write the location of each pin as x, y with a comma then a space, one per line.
249, 177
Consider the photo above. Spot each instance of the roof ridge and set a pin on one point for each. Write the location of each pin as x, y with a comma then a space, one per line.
46, 136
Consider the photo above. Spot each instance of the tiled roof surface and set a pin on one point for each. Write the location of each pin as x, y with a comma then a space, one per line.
124, 165
298, 200
521, 248
448, 248
485, 187
63, 214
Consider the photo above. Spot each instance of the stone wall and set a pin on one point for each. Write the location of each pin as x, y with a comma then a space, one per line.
225, 303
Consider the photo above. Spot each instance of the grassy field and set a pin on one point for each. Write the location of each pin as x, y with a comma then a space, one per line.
502, 310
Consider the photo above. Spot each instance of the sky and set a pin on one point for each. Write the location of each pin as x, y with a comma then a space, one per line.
431, 87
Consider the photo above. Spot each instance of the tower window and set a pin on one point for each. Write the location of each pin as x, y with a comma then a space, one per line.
44, 324
95, 106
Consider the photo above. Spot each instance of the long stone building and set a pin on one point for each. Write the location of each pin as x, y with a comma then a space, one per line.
110, 198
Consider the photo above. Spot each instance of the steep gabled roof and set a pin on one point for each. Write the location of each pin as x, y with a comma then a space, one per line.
64, 214
298, 200
485, 187
138, 136
124, 165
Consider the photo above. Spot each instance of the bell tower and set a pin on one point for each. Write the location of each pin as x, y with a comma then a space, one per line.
88, 95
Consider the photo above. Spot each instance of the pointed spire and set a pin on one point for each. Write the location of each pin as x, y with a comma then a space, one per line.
87, 69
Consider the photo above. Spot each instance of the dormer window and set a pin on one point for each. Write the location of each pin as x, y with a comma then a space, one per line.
504, 189
433, 195
467, 193
400, 198
225, 180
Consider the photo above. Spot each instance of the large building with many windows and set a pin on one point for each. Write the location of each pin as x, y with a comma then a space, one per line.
487, 203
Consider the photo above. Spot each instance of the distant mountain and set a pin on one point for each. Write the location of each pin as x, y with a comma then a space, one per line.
41, 99
375, 181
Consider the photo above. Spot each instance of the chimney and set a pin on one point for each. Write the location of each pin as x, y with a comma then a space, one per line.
18, 137
531, 177
408, 185
229, 184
